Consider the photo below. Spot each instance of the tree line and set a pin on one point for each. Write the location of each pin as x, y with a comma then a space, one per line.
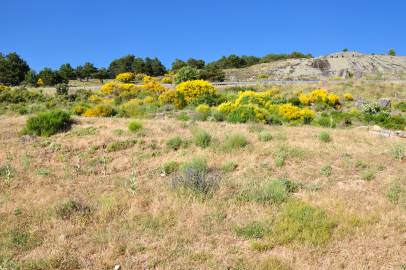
15, 71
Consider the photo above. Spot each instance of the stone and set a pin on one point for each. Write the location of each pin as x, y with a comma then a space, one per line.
360, 102
384, 103
26, 138
117, 267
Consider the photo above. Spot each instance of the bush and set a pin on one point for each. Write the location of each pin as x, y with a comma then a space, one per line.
195, 176
252, 230
201, 138
125, 77
99, 111
264, 136
185, 74
191, 90
324, 136
62, 89
228, 167
170, 167
48, 123
135, 126
235, 141
176, 143
70, 208
167, 80
398, 151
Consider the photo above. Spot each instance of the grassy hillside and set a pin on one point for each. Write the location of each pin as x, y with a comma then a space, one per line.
269, 198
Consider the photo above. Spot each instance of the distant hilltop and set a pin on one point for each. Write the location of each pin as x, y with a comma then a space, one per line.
342, 64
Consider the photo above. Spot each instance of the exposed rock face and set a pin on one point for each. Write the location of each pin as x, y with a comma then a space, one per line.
384, 103
343, 64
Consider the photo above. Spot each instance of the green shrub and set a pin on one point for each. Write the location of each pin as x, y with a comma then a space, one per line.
176, 143
170, 167
218, 115
324, 136
264, 136
48, 123
135, 126
62, 89
280, 157
186, 73
183, 116
235, 141
195, 176
201, 138
275, 191
368, 175
326, 170
395, 193
300, 222
272, 263
401, 106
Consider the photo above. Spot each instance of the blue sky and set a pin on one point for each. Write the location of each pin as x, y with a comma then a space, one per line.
47, 33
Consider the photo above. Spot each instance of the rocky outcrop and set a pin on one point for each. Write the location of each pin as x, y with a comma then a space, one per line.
343, 64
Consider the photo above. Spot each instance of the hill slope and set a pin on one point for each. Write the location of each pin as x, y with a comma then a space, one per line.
342, 64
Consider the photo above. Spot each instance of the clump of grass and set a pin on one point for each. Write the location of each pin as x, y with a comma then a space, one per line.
120, 145
176, 143
272, 263
195, 176
275, 191
280, 157
300, 222
170, 167
201, 138
324, 136
48, 123
135, 126
368, 175
398, 152
253, 230
326, 170
395, 193
235, 141
228, 167
85, 131
183, 116
264, 136
69, 208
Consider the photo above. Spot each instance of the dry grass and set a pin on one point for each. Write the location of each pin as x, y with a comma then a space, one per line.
68, 203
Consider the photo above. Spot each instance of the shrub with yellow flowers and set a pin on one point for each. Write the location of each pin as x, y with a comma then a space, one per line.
291, 112
125, 77
319, 95
203, 108
333, 99
79, 109
95, 99
191, 90
251, 97
148, 100
132, 107
168, 97
153, 85
40, 83
166, 80
348, 97
4, 88
99, 111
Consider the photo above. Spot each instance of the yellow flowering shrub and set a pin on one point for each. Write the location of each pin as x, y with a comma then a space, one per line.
148, 100
109, 88
226, 107
95, 99
167, 97
318, 95
191, 90
132, 107
333, 99
307, 113
117, 88
251, 97
304, 99
40, 82
203, 108
348, 97
166, 80
79, 109
125, 77
4, 88
153, 85
99, 111
289, 111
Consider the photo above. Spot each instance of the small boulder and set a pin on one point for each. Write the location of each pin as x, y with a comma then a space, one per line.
384, 103
360, 102
117, 267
